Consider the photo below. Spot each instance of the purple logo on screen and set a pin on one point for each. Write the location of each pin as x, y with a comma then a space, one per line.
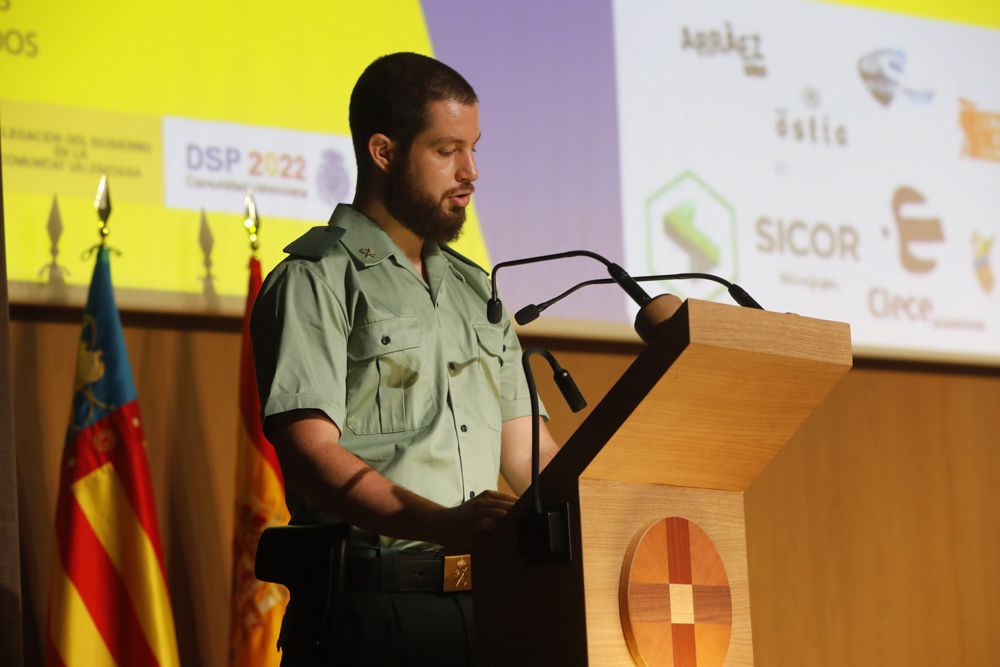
332, 180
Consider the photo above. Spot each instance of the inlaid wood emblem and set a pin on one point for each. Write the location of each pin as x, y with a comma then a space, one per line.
676, 606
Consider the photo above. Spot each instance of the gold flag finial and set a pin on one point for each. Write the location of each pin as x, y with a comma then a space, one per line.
103, 205
251, 221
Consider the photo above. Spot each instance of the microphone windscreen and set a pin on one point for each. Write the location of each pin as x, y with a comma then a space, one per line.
569, 390
743, 298
527, 314
494, 310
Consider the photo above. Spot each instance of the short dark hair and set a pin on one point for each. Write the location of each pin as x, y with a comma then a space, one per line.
392, 95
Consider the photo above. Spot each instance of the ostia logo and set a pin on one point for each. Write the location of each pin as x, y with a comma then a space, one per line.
709, 43
882, 72
809, 125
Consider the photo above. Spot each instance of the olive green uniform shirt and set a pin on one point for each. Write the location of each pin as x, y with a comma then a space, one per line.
412, 372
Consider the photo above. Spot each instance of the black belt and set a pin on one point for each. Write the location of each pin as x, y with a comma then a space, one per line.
394, 571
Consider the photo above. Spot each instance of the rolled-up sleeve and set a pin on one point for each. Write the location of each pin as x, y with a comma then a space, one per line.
299, 331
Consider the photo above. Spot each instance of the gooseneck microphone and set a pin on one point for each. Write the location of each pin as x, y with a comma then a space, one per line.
531, 312
494, 308
544, 532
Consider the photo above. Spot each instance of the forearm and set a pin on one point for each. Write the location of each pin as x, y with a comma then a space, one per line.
515, 455
316, 466
332, 478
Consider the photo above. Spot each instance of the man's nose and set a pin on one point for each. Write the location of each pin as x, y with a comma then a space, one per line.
467, 171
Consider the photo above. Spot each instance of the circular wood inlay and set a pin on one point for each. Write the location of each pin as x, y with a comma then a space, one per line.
676, 606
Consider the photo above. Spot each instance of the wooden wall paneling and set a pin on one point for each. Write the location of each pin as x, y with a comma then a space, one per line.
873, 536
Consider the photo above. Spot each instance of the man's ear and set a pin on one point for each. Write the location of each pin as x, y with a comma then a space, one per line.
382, 151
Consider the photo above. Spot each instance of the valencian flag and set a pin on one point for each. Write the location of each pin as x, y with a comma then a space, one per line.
109, 603
257, 606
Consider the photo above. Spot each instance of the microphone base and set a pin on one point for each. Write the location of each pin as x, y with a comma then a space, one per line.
655, 313
545, 537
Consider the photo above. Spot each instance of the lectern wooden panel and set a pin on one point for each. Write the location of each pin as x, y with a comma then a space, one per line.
696, 417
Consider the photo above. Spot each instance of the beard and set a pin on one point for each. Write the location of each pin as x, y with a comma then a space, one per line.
418, 211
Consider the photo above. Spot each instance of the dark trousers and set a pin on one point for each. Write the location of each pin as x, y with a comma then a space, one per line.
383, 629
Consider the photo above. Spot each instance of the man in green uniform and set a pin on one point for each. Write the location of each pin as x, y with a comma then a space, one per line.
391, 400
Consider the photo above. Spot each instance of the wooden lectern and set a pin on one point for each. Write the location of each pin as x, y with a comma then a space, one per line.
715, 395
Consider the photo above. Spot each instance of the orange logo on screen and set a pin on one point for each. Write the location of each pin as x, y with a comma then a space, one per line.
676, 606
982, 131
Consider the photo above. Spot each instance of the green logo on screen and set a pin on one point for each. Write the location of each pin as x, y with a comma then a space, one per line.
690, 227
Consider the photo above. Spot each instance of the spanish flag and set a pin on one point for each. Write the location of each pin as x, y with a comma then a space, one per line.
109, 604
257, 607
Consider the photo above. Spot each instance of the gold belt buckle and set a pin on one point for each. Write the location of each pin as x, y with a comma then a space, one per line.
457, 573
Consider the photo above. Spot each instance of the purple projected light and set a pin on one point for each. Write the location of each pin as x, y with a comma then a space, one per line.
545, 75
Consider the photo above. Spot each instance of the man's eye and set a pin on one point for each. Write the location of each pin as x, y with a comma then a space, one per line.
446, 153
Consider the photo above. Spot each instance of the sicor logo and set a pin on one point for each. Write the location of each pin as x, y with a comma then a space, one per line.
982, 132
712, 42
691, 227
882, 72
808, 125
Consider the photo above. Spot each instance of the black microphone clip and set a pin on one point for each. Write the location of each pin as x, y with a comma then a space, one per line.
494, 310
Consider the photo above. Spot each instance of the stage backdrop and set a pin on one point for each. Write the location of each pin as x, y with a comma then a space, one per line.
837, 160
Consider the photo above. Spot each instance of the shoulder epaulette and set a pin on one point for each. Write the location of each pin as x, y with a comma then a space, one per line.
465, 260
316, 243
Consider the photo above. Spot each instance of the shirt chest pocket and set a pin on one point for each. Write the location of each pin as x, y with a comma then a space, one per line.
388, 382
490, 350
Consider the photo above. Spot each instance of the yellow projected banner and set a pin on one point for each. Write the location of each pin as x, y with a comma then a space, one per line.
985, 13
185, 105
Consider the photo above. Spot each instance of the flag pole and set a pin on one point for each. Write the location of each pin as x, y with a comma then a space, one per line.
257, 607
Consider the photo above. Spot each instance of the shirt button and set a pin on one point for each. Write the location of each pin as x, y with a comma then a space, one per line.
386, 340
464, 428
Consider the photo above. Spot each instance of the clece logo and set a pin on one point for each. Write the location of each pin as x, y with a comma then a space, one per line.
808, 125
981, 247
982, 132
914, 231
691, 227
882, 73
711, 43
917, 237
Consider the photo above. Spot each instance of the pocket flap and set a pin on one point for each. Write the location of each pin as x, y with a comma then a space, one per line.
378, 338
490, 339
